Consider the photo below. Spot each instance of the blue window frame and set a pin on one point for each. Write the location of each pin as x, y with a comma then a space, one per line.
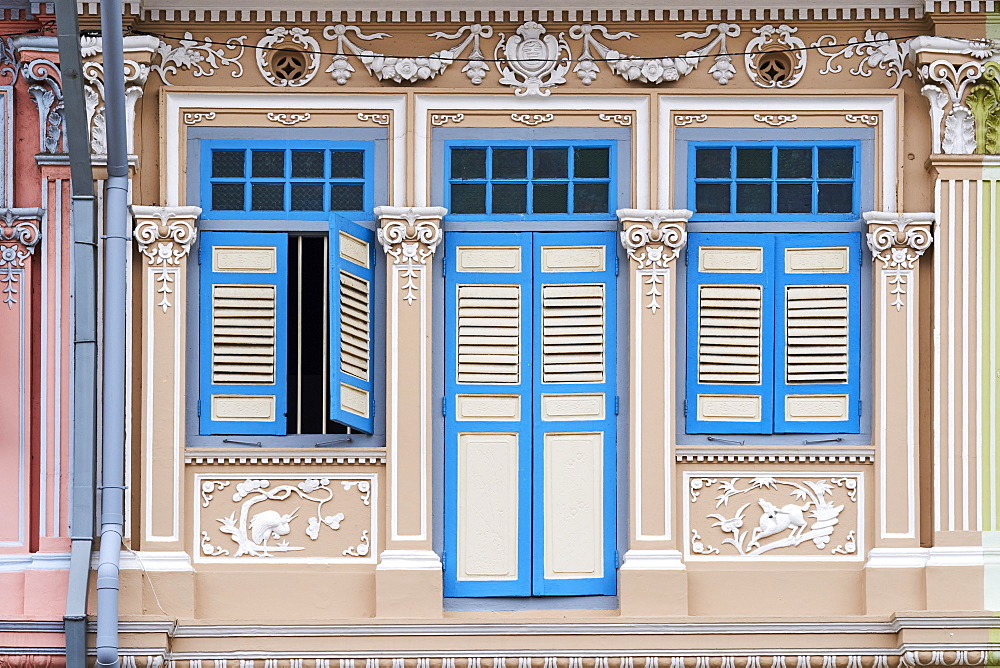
513, 180
788, 180
287, 180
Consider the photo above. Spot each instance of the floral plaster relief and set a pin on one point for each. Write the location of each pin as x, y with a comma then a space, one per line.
324, 518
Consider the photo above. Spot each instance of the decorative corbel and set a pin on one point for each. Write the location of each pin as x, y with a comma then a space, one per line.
410, 235
45, 88
20, 228
653, 238
164, 235
898, 240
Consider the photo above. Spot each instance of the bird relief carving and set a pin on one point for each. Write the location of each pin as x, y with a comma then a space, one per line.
786, 516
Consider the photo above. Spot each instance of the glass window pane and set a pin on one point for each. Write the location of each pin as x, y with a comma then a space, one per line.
753, 163
510, 163
227, 196
753, 197
590, 198
836, 163
468, 197
510, 198
712, 163
347, 165
835, 198
795, 163
591, 163
267, 197
550, 198
307, 197
307, 164
228, 164
468, 163
268, 164
347, 197
550, 163
712, 197
794, 198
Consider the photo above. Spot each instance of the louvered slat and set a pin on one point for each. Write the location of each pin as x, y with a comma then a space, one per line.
817, 321
243, 334
729, 334
489, 330
573, 340
355, 325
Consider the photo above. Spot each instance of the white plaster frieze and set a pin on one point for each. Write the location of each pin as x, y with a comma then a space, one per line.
876, 50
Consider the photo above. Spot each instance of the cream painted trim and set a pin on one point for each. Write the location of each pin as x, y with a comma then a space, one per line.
228, 456
637, 104
715, 454
409, 560
174, 129
895, 557
748, 104
652, 560
144, 560
972, 555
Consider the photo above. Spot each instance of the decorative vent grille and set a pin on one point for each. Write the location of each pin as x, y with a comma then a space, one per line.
355, 325
729, 334
572, 333
243, 334
489, 331
817, 350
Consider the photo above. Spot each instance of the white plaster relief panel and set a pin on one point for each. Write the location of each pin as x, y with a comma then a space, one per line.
319, 518
777, 516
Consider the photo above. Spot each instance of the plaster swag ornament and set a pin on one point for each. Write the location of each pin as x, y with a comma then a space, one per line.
20, 227
164, 236
287, 39
532, 62
202, 58
897, 240
45, 88
876, 50
780, 39
410, 235
653, 238
653, 70
953, 128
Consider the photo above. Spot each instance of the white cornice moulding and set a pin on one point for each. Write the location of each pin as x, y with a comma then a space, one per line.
893, 557
42, 561
652, 560
956, 556
150, 561
409, 560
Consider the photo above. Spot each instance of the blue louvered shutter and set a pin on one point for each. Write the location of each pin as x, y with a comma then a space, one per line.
730, 333
352, 335
243, 338
818, 333
574, 396
488, 380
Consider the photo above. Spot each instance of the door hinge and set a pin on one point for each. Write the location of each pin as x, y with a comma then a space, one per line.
444, 265
199, 408
616, 404
618, 561
201, 252
861, 407
616, 265
685, 408
444, 560
444, 406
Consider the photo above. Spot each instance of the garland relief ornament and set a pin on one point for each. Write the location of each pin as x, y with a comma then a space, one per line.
530, 61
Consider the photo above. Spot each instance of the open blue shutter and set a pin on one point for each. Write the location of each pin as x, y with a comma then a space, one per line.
352, 283
243, 338
574, 396
818, 329
487, 398
730, 333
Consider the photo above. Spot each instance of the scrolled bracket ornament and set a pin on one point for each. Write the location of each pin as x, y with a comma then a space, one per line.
164, 236
653, 239
45, 88
897, 240
20, 228
953, 128
410, 235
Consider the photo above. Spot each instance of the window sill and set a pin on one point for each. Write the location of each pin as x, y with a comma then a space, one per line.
754, 453
244, 455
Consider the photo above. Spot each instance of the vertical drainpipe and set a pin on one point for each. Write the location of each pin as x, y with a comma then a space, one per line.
116, 250
83, 222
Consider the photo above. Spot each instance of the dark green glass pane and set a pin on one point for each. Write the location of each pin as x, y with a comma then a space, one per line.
307, 164
753, 198
711, 197
590, 198
794, 198
468, 163
712, 163
307, 197
347, 165
510, 163
591, 163
836, 163
227, 196
268, 164
753, 163
795, 163
267, 197
835, 198
468, 197
550, 163
550, 198
347, 197
228, 164
510, 198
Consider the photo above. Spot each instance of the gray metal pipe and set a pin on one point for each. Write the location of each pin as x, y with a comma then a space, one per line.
116, 250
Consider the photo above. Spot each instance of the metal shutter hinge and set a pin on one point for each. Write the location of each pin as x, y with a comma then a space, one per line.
616, 405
